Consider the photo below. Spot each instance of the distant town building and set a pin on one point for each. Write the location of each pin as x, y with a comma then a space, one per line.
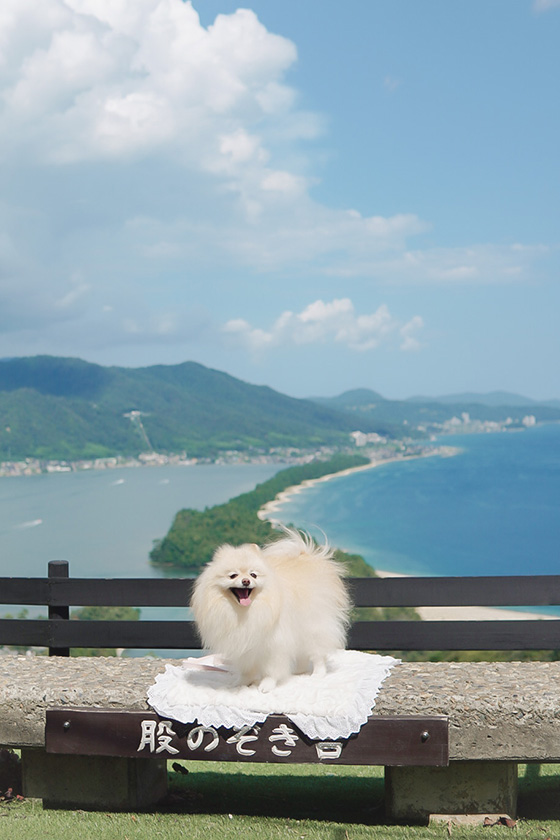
363, 438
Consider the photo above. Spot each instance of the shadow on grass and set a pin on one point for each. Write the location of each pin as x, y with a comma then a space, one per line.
330, 797
337, 794
539, 792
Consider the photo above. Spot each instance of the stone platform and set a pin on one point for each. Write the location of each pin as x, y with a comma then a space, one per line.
499, 713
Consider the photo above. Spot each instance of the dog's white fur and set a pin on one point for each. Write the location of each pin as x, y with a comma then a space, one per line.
290, 613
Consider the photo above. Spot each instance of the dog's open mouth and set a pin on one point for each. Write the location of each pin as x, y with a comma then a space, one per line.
243, 595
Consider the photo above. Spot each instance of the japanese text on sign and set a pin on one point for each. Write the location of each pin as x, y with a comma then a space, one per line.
157, 737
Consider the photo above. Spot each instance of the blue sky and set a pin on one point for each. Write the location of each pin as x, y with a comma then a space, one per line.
311, 195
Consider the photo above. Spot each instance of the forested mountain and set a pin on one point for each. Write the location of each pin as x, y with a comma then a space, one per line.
66, 408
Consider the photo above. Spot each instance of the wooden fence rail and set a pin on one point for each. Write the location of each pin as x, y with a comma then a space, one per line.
58, 592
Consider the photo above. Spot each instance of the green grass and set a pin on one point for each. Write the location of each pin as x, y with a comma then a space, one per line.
223, 801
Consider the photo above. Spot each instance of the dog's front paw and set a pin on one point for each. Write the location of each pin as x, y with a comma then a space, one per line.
319, 668
267, 684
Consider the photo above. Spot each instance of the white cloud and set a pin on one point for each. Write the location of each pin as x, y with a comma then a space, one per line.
92, 81
79, 288
283, 182
410, 341
304, 231
323, 322
545, 5
240, 147
391, 84
481, 264
154, 163
459, 272
89, 79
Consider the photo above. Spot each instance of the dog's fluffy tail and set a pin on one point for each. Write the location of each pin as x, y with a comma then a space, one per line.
322, 577
298, 542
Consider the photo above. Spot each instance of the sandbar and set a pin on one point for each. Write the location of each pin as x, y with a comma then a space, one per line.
425, 613
285, 495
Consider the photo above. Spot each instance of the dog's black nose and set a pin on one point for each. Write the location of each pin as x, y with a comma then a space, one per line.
246, 582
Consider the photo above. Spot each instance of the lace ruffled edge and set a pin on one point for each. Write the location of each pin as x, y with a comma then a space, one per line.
315, 727
323, 728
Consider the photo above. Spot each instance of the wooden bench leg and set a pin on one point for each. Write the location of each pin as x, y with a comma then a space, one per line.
413, 794
93, 782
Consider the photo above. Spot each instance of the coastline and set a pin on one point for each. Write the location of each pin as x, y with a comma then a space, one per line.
426, 613
284, 496
36, 466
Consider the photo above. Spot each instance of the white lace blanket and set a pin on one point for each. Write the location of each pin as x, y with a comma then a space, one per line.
323, 707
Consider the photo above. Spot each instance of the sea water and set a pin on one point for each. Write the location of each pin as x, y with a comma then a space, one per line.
104, 522
492, 509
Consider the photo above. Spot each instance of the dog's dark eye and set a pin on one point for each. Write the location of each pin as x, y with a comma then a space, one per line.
253, 575
233, 575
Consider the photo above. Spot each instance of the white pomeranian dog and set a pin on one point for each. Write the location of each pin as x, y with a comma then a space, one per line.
274, 611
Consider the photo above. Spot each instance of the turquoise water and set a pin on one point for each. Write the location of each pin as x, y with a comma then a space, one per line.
494, 509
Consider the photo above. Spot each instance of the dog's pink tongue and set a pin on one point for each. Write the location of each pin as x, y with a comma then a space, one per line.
244, 597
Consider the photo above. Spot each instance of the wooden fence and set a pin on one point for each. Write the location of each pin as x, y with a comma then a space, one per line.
58, 592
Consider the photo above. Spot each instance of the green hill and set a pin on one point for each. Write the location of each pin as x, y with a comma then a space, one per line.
67, 408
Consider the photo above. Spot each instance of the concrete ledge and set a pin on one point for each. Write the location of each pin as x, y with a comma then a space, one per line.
498, 711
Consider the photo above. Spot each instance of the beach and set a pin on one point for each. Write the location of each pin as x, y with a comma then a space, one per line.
474, 613
268, 509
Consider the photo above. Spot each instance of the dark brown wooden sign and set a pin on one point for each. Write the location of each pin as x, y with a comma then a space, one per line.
389, 741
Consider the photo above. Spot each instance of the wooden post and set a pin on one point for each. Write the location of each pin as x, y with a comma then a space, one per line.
59, 569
